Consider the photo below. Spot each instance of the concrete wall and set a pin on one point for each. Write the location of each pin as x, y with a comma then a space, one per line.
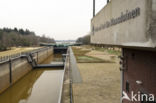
20, 67
44, 55
137, 31
4, 76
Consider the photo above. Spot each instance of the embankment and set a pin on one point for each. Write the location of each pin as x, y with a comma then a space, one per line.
14, 69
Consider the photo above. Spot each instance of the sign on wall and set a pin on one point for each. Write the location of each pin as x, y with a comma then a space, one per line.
125, 23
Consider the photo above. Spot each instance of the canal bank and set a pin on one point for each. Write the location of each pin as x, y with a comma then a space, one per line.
14, 67
37, 86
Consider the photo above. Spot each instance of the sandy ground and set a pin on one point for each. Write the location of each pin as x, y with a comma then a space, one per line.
17, 50
101, 81
102, 55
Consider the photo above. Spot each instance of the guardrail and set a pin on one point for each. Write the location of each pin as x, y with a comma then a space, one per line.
63, 76
67, 69
6, 58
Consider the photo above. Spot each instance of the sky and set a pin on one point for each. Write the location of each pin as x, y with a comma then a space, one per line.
58, 19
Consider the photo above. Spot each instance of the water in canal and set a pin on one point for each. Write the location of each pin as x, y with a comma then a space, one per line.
38, 86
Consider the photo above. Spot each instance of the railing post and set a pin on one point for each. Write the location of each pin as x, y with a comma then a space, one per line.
37, 56
10, 70
47, 51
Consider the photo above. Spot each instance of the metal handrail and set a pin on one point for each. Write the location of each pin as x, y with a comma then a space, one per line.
4, 59
62, 80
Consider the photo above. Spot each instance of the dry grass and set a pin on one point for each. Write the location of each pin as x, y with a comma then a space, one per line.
79, 52
82, 56
17, 50
115, 51
101, 81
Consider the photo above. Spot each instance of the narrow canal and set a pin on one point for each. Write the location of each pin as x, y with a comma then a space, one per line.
38, 86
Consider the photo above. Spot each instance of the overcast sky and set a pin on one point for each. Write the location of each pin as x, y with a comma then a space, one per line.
60, 19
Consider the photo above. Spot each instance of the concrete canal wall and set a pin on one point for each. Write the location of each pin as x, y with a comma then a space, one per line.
19, 67
71, 75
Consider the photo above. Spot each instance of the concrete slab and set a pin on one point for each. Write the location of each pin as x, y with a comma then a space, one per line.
76, 77
126, 23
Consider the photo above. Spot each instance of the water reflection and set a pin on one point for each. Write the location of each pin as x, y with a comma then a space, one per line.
38, 86
56, 58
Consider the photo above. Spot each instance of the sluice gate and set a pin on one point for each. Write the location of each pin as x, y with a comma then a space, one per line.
56, 49
53, 65
60, 49
34, 64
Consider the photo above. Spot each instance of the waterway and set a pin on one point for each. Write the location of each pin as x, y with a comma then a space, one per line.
38, 86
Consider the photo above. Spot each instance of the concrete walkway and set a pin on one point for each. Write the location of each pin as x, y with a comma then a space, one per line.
76, 77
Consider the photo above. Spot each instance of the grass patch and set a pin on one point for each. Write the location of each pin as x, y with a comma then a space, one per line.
89, 59
115, 52
100, 49
79, 52
15, 50
81, 57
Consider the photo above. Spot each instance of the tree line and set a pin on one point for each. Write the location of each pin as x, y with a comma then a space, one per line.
84, 40
20, 37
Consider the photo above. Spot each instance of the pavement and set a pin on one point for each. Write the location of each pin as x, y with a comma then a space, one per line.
76, 77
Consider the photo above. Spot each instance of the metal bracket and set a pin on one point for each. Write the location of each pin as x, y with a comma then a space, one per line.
123, 63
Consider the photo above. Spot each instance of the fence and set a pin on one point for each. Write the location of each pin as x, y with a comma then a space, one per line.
18, 55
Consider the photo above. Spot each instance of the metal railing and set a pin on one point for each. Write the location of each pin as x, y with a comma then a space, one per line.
18, 55
63, 76
67, 70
